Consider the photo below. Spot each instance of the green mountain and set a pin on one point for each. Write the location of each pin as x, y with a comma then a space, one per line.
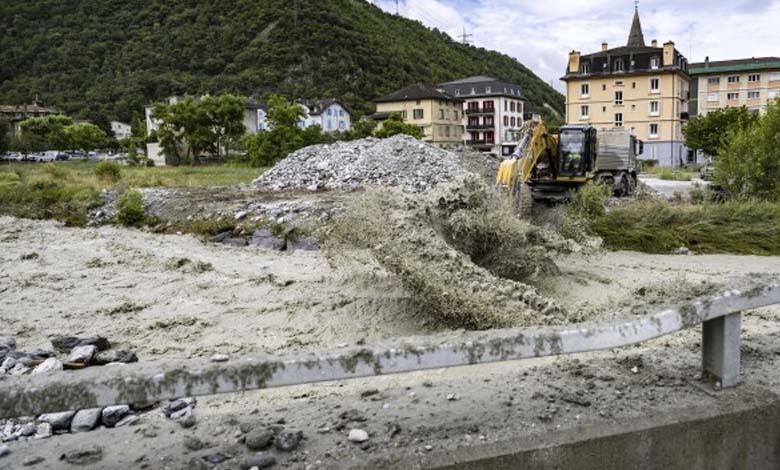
105, 59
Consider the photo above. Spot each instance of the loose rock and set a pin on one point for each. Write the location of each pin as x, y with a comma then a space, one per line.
4, 450
82, 354
358, 435
29, 461
288, 440
259, 460
58, 421
259, 439
48, 366
86, 420
114, 414
108, 357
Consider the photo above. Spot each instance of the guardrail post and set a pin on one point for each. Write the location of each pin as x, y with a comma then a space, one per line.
720, 348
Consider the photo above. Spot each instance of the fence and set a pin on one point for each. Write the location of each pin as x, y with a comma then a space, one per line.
720, 317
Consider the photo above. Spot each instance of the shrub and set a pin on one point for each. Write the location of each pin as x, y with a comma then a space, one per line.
131, 209
673, 175
590, 201
108, 171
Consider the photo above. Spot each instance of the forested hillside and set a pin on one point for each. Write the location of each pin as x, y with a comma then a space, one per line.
105, 59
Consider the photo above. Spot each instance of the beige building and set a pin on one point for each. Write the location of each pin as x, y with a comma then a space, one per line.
439, 115
752, 83
639, 87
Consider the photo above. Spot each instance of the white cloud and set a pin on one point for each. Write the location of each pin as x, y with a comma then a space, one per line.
541, 33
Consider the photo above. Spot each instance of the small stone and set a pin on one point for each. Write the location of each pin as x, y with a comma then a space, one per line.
8, 342
4, 450
215, 458
86, 420
453, 397
40, 354
82, 354
44, 430
259, 439
428, 448
114, 414
8, 363
260, 460
187, 419
111, 357
58, 421
358, 435
27, 430
288, 441
241, 214
174, 406
193, 443
49, 366
149, 432
369, 392
220, 358
29, 461
82, 457
635, 370
575, 399
19, 369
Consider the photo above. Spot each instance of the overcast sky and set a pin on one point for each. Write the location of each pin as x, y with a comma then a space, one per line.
540, 33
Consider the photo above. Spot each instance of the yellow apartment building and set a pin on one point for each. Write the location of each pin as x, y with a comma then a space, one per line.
752, 83
439, 115
636, 86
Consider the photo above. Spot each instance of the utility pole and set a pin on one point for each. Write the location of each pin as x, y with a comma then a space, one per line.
465, 37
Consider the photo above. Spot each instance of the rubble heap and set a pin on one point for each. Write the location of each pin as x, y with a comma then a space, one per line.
399, 161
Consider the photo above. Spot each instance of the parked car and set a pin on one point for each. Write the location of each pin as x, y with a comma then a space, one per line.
707, 172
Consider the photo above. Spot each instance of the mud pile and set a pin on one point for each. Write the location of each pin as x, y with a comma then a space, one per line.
399, 161
459, 252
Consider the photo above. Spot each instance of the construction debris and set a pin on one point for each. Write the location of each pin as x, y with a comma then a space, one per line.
399, 161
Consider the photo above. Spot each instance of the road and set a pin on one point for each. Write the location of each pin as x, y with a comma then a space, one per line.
667, 189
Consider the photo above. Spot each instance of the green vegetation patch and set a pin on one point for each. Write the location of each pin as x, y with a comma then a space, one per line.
736, 227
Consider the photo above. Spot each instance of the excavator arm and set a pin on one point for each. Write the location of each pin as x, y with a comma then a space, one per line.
534, 144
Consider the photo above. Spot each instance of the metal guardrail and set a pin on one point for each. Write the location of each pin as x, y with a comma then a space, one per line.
154, 381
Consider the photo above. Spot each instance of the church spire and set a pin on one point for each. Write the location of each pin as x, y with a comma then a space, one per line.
635, 37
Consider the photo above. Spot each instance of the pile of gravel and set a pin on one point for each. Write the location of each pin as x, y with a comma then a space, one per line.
400, 161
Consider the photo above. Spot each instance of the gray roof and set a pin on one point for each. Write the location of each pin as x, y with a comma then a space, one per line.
317, 107
482, 86
636, 38
418, 91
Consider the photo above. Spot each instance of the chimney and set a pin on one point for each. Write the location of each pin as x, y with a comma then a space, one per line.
668, 53
707, 62
574, 62
604, 46
654, 43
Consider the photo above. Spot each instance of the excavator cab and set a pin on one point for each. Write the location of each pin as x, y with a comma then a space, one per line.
577, 149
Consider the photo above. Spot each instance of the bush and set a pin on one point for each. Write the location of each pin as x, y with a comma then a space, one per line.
108, 171
673, 175
589, 202
131, 209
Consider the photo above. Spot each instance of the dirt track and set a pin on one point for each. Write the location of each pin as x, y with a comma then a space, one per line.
136, 288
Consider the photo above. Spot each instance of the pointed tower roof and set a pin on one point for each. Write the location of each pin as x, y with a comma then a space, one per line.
635, 37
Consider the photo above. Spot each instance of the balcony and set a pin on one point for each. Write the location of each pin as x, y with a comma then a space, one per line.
480, 127
478, 111
479, 142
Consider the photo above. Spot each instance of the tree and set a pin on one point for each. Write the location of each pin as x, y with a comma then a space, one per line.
84, 136
286, 136
395, 125
45, 133
183, 130
5, 135
360, 130
137, 126
226, 118
749, 163
710, 132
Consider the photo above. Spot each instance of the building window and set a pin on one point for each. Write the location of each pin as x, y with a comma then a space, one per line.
619, 98
618, 119
506, 120
654, 130
619, 83
456, 115
488, 89
441, 114
330, 126
732, 96
619, 65
488, 105
713, 81
473, 91
603, 109
512, 121
584, 90
419, 113
342, 125
655, 85
585, 112
457, 92
654, 108
330, 112
655, 62
604, 87
774, 76
754, 95
754, 77
734, 79
633, 85
713, 98
512, 106
586, 67
506, 105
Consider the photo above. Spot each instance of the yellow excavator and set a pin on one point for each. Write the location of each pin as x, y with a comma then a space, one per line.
554, 165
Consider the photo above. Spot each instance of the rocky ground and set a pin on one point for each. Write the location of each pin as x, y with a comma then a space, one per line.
165, 297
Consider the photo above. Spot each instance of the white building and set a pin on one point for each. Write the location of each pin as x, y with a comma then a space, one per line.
121, 130
493, 112
330, 115
254, 116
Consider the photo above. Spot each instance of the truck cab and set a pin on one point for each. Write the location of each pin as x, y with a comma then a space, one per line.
577, 151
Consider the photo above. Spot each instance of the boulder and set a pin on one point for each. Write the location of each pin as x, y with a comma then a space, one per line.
107, 357
259, 438
113, 414
58, 421
86, 420
82, 354
263, 238
48, 366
